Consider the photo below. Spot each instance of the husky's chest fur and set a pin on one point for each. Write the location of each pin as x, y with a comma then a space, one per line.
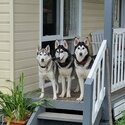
66, 68
82, 70
66, 72
47, 73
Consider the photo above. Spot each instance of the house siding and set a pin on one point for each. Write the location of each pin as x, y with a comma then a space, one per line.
5, 41
26, 37
92, 16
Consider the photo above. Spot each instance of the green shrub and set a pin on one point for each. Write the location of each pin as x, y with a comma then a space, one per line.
15, 106
121, 121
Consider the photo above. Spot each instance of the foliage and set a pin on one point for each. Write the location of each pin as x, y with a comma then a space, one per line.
121, 121
15, 106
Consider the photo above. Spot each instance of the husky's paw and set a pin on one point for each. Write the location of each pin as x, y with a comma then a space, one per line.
68, 95
62, 95
79, 99
41, 96
54, 98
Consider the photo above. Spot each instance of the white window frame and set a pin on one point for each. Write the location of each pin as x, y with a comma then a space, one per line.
60, 36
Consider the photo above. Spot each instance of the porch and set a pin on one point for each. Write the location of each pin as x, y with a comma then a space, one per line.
70, 111
97, 104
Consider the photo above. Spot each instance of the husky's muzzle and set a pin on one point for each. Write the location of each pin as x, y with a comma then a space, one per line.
59, 59
80, 54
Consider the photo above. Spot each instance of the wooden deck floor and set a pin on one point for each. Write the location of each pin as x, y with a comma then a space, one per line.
49, 93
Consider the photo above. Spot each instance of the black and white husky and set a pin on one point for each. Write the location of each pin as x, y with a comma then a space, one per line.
46, 70
83, 62
64, 62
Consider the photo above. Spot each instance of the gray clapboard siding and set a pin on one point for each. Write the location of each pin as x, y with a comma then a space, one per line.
4, 74
26, 45
4, 65
26, 35
92, 16
4, 46
4, 56
5, 42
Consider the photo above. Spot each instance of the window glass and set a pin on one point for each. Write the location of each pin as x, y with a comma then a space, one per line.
71, 17
51, 17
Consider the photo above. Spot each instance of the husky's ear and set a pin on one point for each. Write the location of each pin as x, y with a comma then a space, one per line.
56, 44
65, 44
76, 41
86, 41
48, 48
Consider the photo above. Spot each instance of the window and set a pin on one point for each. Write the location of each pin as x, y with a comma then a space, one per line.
50, 17
59, 19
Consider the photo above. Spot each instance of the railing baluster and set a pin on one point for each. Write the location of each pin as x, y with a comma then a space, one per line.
103, 70
122, 58
115, 65
99, 81
119, 54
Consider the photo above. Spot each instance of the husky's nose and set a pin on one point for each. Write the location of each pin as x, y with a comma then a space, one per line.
80, 54
42, 60
58, 59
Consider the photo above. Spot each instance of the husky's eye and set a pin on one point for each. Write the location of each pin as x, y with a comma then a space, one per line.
61, 51
57, 51
40, 54
78, 47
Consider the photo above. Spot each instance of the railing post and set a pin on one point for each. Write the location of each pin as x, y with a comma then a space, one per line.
88, 99
108, 23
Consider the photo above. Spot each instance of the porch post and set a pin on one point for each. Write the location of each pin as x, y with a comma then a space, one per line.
108, 23
123, 14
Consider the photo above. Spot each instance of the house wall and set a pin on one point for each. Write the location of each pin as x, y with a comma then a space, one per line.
92, 16
26, 36
5, 42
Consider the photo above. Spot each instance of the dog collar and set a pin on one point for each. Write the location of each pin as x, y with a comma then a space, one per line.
46, 66
83, 62
66, 64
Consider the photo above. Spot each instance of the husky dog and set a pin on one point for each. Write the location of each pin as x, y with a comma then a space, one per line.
46, 70
64, 62
83, 62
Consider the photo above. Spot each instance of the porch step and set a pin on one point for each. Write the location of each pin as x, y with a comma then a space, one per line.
61, 117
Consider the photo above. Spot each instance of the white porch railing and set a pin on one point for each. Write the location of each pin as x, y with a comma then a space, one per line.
118, 55
97, 73
97, 38
118, 59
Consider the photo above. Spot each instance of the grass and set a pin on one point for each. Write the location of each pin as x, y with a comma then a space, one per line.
121, 121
